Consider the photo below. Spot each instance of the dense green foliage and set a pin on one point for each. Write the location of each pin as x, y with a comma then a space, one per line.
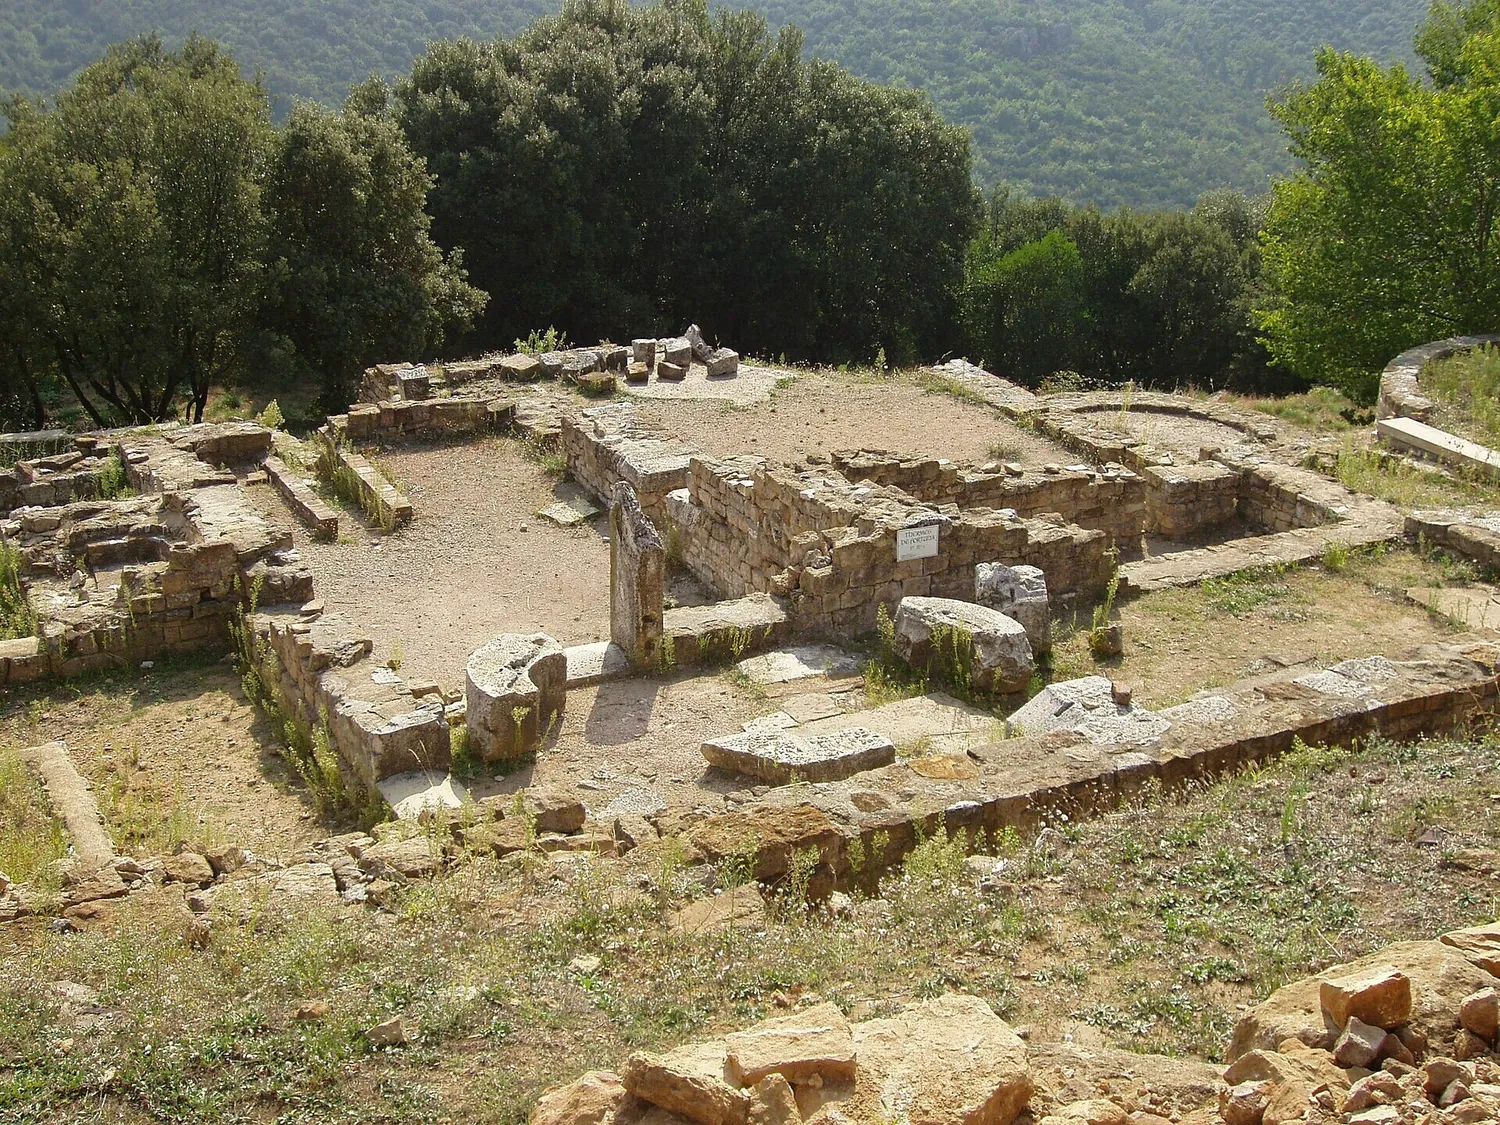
1156, 298
305, 48
1386, 237
617, 170
1142, 102
354, 277
154, 230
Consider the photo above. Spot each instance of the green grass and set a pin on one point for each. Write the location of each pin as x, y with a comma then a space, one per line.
1240, 594
17, 617
31, 839
1153, 924
1466, 390
1405, 484
1322, 410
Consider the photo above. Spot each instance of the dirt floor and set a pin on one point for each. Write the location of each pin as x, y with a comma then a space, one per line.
633, 745
1174, 432
174, 753
476, 561
821, 411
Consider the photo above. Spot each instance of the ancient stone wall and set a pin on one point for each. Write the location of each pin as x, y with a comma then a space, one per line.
117, 582
609, 444
389, 420
59, 477
1027, 782
354, 475
1112, 499
1400, 389
1184, 499
831, 546
318, 667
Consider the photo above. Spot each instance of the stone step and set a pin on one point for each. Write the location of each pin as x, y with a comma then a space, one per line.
1288, 548
598, 663
1461, 453
725, 630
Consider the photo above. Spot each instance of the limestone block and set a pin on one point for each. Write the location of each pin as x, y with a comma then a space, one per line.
671, 372
1001, 659
678, 351
1019, 592
637, 578
551, 364
516, 688
949, 1061
815, 1042
643, 351
694, 337
780, 756
688, 1081
638, 373
521, 368
722, 362
1380, 996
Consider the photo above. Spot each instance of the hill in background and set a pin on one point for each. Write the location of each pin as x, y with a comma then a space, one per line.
1143, 102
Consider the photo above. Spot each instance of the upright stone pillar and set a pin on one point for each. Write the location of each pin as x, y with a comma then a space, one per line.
637, 576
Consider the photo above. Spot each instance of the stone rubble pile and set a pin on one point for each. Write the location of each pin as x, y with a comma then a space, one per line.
1394, 1040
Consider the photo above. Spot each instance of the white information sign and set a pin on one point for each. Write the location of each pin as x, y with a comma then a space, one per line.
917, 542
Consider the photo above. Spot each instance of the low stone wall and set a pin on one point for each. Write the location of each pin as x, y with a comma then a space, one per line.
1400, 388
352, 472
871, 820
1474, 535
1184, 499
58, 478
319, 667
1112, 499
117, 582
302, 499
424, 418
831, 546
609, 444
1284, 498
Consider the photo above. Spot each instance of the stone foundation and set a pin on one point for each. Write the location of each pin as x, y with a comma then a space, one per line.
320, 671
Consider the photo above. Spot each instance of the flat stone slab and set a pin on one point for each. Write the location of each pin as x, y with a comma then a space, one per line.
569, 513
791, 664
596, 663
412, 794
779, 757
1408, 433
1087, 706
935, 723
811, 708
1351, 679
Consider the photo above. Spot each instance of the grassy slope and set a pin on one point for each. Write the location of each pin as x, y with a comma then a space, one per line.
1146, 102
1150, 926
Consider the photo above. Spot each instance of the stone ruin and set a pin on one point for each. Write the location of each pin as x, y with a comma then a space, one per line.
970, 559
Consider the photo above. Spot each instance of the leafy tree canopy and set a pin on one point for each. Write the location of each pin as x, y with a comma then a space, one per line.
154, 228
1387, 236
616, 169
1141, 102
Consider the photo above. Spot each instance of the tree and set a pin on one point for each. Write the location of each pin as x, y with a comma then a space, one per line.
353, 275
1024, 311
133, 230
620, 170
1387, 236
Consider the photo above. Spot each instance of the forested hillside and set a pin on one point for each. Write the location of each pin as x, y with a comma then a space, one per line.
1147, 102
307, 48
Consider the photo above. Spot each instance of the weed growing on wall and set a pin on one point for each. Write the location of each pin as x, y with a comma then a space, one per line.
17, 617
